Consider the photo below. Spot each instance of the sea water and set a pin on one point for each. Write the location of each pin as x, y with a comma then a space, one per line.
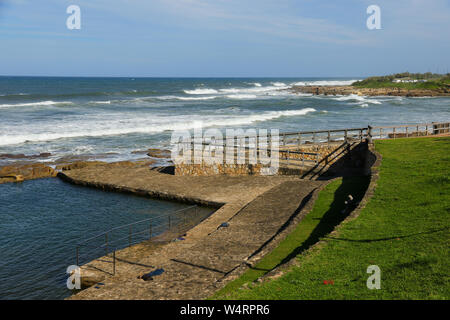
111, 118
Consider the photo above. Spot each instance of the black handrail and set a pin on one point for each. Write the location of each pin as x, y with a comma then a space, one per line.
106, 245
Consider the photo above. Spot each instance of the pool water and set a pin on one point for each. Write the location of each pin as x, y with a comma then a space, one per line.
42, 221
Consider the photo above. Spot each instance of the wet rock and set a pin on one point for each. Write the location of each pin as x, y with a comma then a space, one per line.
159, 153
139, 152
17, 173
23, 156
12, 156
79, 165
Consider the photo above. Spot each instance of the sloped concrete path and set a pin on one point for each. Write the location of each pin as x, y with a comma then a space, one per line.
256, 209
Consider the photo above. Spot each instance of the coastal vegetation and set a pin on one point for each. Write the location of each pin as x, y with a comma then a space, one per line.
406, 80
403, 230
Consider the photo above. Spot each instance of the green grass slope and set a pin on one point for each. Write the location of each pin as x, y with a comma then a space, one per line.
404, 230
434, 82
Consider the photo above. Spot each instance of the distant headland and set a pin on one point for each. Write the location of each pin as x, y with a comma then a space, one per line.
400, 84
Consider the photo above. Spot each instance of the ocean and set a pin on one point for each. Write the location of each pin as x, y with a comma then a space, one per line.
110, 119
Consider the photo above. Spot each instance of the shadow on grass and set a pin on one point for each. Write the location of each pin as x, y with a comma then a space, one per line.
356, 186
390, 238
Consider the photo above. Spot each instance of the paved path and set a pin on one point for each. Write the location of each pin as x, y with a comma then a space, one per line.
256, 208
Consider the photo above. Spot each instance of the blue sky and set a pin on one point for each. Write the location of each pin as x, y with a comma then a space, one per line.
223, 38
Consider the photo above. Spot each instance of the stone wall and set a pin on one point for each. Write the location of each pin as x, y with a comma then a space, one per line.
328, 154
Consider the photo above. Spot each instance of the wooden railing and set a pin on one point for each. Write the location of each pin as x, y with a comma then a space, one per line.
291, 143
408, 130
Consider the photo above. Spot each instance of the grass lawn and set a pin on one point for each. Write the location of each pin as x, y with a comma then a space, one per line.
403, 230
429, 85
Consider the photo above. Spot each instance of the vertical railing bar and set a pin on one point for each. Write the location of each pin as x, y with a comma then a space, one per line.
129, 236
106, 243
150, 231
114, 262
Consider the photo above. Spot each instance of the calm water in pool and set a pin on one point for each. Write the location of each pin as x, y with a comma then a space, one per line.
41, 221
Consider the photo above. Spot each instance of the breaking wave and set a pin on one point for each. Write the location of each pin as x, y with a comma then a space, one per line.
113, 127
32, 104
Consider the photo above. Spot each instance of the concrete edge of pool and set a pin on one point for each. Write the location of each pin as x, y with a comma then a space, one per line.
209, 256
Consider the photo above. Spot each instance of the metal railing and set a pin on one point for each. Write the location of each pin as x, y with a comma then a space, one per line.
290, 143
408, 130
162, 227
299, 158
322, 136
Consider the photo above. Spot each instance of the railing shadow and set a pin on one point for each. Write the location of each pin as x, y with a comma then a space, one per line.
356, 186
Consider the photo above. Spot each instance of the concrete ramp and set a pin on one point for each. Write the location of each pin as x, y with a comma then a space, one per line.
249, 230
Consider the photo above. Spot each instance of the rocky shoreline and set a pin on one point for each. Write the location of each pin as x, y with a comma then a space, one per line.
349, 90
25, 167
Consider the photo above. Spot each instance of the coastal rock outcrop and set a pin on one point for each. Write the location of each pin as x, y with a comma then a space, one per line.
17, 173
348, 90
159, 153
23, 156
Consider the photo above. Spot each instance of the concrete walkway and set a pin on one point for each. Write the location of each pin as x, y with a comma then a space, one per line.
256, 208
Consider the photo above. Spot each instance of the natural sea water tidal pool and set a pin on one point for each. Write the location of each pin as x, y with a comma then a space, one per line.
42, 221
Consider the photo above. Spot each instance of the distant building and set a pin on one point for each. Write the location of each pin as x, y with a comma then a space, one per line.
407, 80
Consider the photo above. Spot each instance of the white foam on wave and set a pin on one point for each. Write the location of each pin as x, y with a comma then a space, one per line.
32, 104
102, 102
257, 91
185, 98
196, 98
241, 96
278, 84
357, 99
201, 91
116, 124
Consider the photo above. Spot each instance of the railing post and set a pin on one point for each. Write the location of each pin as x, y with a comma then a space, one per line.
114, 262
129, 236
407, 132
106, 243
394, 132
329, 137
346, 136
150, 231
369, 134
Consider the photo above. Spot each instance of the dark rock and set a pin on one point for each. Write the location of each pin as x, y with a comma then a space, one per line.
159, 153
79, 165
23, 156
150, 275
